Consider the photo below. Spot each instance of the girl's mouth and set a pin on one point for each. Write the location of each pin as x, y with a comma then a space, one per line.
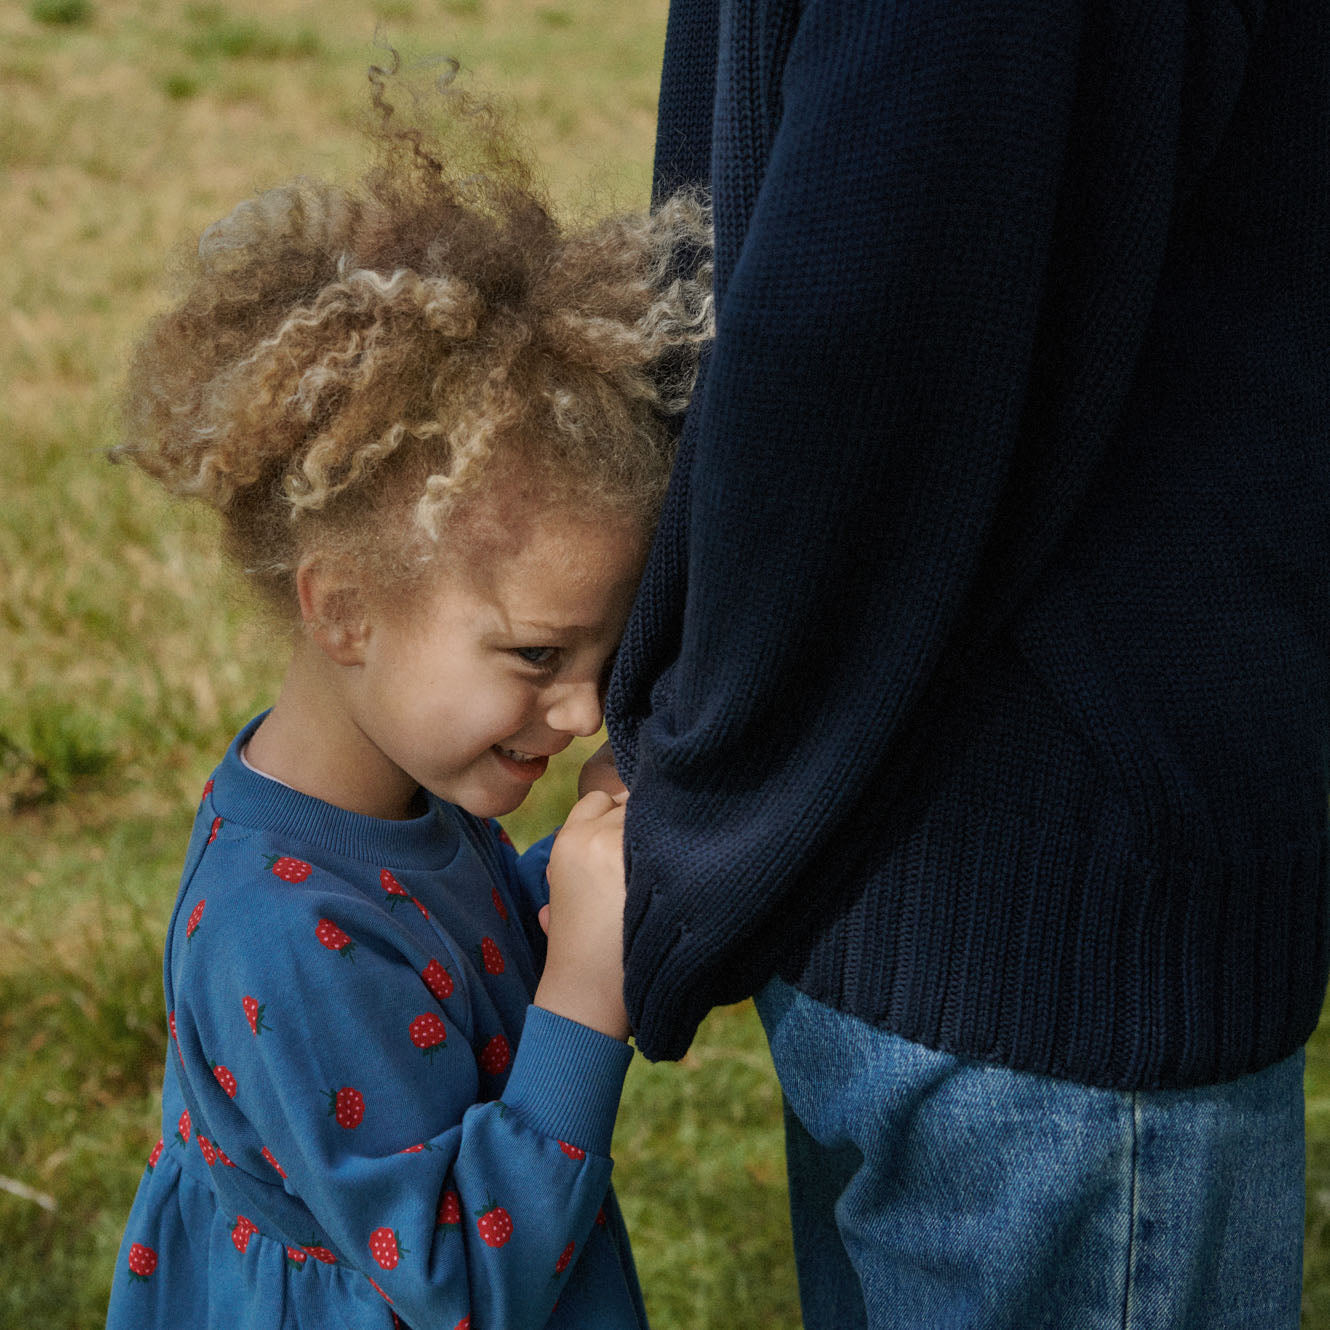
525, 766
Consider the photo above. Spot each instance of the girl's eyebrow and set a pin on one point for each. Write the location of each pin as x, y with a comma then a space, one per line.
563, 626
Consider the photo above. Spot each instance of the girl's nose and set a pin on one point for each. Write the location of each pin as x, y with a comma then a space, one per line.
576, 709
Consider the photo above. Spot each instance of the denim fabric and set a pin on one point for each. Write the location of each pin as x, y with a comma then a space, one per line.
931, 1192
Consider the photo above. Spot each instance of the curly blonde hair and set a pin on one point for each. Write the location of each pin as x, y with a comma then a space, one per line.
347, 370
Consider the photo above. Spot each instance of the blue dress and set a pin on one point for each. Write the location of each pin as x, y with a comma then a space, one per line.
365, 1122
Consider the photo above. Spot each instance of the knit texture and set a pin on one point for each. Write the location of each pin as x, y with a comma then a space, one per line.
364, 1121
979, 684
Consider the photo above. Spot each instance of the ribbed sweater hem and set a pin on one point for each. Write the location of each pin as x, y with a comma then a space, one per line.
1026, 947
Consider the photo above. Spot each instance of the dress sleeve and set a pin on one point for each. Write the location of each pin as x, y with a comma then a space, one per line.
337, 1072
878, 394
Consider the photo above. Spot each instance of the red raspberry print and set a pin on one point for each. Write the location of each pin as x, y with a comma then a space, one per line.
296, 1257
600, 1217
192, 923
384, 1296
320, 1253
334, 938
572, 1151
415, 1149
428, 1033
450, 1210
495, 1056
207, 790
437, 980
420, 905
214, 829
221, 1156
385, 1248
242, 1232
254, 1010
565, 1258
288, 869
491, 956
463, 1324
506, 839
268, 1155
142, 1262
209, 1152
498, 904
225, 1079
495, 1225
170, 1021
347, 1105
182, 1128
156, 1153
393, 887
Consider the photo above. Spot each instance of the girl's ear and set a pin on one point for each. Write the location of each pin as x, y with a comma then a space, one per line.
333, 611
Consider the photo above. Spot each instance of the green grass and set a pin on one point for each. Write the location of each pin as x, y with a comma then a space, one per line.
63, 12
219, 36
127, 658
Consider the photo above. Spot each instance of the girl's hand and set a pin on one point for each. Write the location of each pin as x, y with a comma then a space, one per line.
583, 978
599, 773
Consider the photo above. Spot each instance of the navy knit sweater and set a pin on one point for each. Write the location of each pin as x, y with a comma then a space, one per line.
980, 680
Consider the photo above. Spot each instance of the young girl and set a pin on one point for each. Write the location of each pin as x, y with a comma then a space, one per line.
433, 424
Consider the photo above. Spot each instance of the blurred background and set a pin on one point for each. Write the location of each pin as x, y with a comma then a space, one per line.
129, 655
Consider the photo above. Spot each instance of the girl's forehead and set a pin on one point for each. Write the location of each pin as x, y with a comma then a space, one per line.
558, 572
571, 559
570, 544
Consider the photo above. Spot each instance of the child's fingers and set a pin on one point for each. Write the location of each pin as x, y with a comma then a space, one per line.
592, 805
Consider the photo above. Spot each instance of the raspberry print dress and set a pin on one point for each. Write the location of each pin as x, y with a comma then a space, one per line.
365, 1122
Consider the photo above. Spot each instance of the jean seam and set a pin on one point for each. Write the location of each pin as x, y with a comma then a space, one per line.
1129, 1282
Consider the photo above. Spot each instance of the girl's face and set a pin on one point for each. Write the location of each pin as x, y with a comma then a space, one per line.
496, 668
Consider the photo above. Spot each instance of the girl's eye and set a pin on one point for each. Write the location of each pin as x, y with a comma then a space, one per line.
536, 655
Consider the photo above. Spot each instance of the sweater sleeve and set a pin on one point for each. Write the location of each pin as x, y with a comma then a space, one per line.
343, 1078
877, 369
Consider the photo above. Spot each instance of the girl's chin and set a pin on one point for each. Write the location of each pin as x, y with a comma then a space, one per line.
493, 786
489, 803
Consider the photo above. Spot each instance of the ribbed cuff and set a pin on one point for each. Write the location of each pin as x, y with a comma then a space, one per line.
567, 1079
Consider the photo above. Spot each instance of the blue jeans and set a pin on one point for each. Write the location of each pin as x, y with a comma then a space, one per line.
929, 1192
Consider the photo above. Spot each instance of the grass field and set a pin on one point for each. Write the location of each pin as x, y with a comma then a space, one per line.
127, 658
